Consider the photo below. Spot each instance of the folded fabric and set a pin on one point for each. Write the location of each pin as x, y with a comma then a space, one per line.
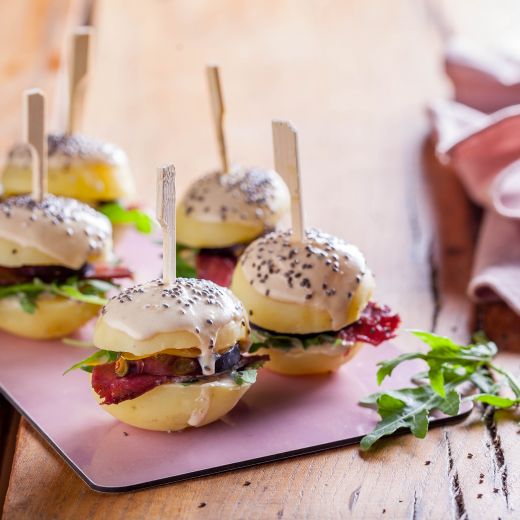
486, 78
496, 272
477, 145
484, 150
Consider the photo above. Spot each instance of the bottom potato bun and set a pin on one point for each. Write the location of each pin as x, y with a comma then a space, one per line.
306, 362
55, 316
174, 406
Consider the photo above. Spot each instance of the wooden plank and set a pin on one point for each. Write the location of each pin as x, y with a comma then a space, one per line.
358, 113
34, 59
9, 421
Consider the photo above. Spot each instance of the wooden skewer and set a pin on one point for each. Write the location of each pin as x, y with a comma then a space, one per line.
218, 111
166, 217
287, 164
35, 136
79, 68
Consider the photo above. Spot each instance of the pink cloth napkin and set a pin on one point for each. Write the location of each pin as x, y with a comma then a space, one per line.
485, 78
484, 150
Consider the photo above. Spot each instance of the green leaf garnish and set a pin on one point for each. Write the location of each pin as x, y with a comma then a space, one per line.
266, 339
247, 376
80, 343
496, 400
88, 291
117, 214
100, 357
28, 302
186, 261
450, 365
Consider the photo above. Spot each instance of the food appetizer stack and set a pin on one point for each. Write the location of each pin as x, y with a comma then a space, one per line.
307, 292
51, 282
224, 211
178, 352
174, 350
79, 166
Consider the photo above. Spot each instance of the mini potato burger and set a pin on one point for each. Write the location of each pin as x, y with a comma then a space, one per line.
78, 167
82, 168
309, 301
223, 212
53, 275
172, 354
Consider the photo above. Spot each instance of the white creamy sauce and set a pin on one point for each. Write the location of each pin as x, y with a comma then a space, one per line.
203, 402
201, 409
62, 228
66, 150
323, 271
197, 306
240, 195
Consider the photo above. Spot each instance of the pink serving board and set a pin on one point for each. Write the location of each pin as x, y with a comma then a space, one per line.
278, 418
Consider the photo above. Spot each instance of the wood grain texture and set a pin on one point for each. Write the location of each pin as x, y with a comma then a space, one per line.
165, 213
354, 77
218, 111
79, 62
287, 164
35, 134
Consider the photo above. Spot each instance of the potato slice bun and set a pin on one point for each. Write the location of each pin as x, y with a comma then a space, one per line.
318, 285
189, 316
151, 327
173, 407
55, 231
78, 167
223, 210
54, 317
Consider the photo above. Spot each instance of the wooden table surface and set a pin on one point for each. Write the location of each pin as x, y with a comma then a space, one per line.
354, 78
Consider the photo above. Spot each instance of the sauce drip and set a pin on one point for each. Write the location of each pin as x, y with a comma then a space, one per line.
198, 306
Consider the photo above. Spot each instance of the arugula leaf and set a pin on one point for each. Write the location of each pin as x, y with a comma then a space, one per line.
78, 343
117, 214
266, 339
513, 383
496, 400
98, 358
36, 286
483, 381
451, 404
88, 291
450, 365
436, 377
406, 408
28, 302
186, 261
387, 367
96, 286
247, 376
